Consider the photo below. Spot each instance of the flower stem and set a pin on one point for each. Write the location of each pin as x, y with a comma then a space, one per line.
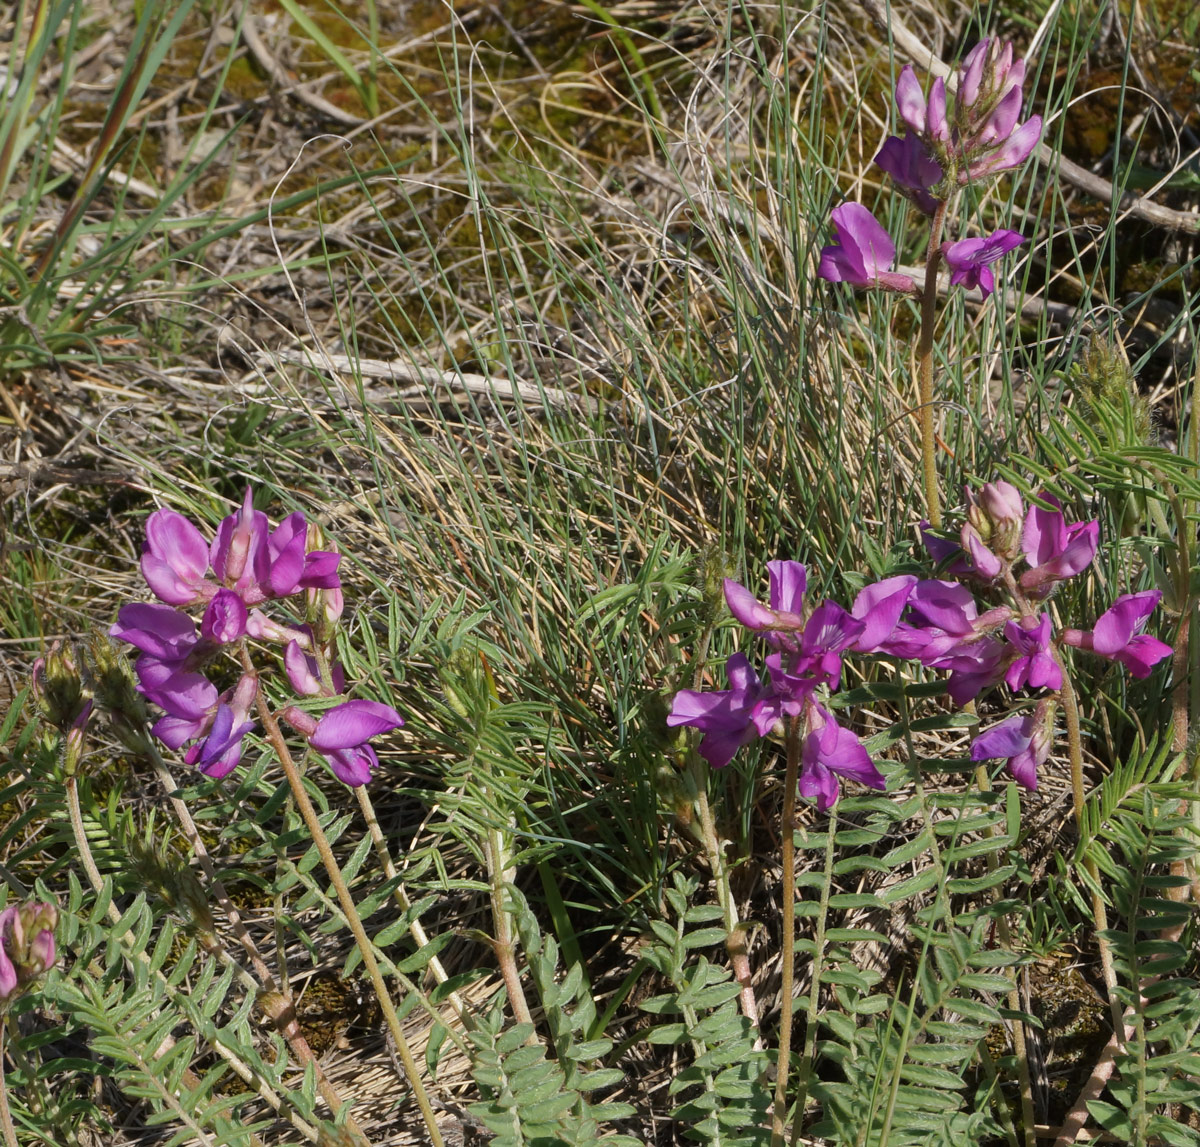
814, 992
6, 1121
309, 814
788, 844
933, 256
1099, 911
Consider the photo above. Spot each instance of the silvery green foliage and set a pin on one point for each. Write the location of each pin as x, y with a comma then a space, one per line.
1140, 833
724, 1087
528, 1097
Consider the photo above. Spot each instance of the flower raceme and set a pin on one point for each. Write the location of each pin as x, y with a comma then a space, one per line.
946, 143
807, 649
246, 566
1014, 641
978, 134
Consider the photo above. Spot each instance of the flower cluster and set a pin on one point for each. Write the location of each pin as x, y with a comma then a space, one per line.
244, 567
977, 135
26, 946
805, 663
1022, 554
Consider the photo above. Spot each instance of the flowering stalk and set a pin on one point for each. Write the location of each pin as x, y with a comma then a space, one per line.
944, 146
788, 853
933, 499
309, 815
1099, 910
814, 991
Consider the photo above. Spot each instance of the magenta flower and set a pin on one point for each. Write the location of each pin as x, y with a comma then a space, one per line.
1012, 152
879, 606
1117, 634
728, 718
304, 673
829, 751
224, 618
863, 254
908, 161
926, 118
175, 559
341, 736
166, 634
220, 751
1054, 550
1034, 666
1023, 739
970, 260
784, 611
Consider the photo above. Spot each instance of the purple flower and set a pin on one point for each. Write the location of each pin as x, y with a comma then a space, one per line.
926, 118
291, 568
974, 666
1034, 666
175, 559
1023, 739
166, 634
1054, 550
829, 751
224, 618
240, 552
969, 259
788, 581
1117, 635
983, 562
729, 718
908, 161
878, 607
304, 672
342, 733
220, 751
1014, 151
863, 253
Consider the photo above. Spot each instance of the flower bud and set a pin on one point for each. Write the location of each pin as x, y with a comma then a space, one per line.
1001, 503
117, 695
27, 948
58, 688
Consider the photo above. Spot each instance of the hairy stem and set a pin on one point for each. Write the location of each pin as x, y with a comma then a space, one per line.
1099, 910
929, 295
788, 845
814, 992
6, 1121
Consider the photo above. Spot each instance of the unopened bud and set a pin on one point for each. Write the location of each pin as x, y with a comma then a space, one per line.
58, 687
1001, 503
117, 695
27, 948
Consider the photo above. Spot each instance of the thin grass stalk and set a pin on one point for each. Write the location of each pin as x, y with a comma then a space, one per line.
309, 814
929, 297
16, 118
788, 846
804, 1073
